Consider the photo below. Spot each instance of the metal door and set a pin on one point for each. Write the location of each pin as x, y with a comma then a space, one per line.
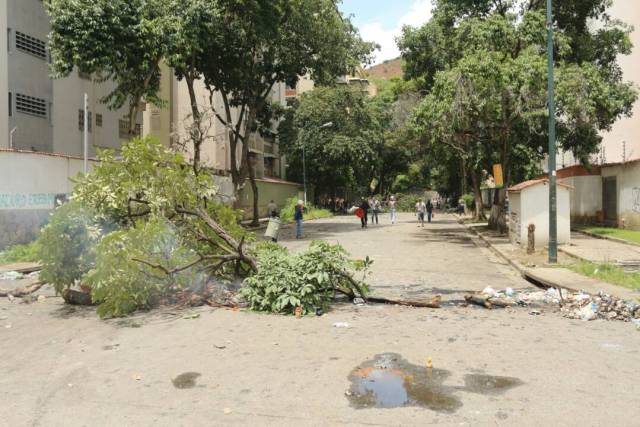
610, 200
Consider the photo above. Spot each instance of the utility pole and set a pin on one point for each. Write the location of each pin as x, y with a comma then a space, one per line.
553, 199
86, 133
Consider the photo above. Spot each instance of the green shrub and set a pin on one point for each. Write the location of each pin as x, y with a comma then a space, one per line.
126, 276
469, 201
310, 212
67, 245
308, 280
401, 184
29, 252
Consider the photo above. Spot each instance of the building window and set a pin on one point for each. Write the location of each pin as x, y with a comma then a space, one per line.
81, 120
99, 120
10, 104
31, 105
31, 45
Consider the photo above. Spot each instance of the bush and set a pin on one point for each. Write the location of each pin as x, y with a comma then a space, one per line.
401, 184
135, 265
469, 201
67, 245
310, 212
308, 280
29, 252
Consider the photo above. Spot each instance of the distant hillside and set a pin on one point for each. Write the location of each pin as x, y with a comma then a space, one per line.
386, 71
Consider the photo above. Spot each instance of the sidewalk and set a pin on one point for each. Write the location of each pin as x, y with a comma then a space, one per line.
600, 251
535, 267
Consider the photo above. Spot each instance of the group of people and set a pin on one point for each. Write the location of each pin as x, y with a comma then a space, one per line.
373, 206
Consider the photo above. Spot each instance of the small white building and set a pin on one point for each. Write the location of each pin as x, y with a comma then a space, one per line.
529, 204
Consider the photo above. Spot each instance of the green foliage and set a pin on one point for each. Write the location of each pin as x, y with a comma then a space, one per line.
29, 252
310, 212
608, 273
632, 236
468, 200
482, 68
345, 154
309, 279
146, 179
67, 245
126, 277
401, 184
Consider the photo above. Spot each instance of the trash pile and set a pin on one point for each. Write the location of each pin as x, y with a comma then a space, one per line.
573, 305
600, 306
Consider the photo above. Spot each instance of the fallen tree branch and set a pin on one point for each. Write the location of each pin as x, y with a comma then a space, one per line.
17, 293
487, 301
435, 302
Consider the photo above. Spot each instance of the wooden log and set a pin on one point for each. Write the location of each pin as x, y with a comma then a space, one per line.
434, 302
497, 302
18, 293
479, 300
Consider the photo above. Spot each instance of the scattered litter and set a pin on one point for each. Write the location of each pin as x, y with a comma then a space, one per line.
319, 312
637, 323
535, 312
220, 347
600, 306
11, 275
11, 298
227, 411
358, 301
509, 292
137, 377
341, 325
42, 298
490, 291
69, 385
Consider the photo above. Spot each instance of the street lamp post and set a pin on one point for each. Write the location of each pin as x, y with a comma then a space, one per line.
304, 163
553, 200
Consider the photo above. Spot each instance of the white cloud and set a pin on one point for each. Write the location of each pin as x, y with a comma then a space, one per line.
419, 13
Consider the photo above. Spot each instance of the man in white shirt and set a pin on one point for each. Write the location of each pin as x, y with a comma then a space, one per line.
421, 209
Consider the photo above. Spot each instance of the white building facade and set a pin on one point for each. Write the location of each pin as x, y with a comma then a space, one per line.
39, 113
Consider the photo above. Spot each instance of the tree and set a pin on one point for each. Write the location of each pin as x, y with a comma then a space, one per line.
495, 49
344, 155
239, 49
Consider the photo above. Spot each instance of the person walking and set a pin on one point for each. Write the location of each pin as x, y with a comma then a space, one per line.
272, 209
421, 209
392, 209
299, 217
365, 207
429, 210
375, 210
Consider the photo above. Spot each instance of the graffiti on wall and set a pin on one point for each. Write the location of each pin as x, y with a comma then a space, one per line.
27, 201
636, 200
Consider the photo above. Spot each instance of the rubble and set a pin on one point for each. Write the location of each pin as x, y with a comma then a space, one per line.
602, 306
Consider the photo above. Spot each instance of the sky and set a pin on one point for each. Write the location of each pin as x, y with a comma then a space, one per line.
381, 21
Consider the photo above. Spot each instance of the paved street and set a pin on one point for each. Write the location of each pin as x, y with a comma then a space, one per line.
64, 367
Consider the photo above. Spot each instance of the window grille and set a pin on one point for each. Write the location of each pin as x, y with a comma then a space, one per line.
32, 45
31, 105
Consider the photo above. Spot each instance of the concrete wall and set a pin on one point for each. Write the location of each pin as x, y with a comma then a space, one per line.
4, 78
532, 207
626, 129
628, 192
586, 198
515, 218
29, 183
268, 190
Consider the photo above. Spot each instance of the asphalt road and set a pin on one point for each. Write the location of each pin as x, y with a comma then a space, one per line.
62, 366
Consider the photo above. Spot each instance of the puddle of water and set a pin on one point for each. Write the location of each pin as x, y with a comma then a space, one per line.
389, 381
186, 380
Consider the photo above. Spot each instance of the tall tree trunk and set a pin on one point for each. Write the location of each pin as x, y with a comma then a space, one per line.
197, 137
497, 219
463, 186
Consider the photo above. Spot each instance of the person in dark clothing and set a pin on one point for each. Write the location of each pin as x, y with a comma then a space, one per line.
365, 207
429, 210
299, 216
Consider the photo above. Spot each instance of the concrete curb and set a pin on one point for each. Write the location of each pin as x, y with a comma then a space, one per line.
613, 239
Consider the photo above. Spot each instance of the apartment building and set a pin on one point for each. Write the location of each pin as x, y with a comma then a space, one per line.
42, 114
170, 122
